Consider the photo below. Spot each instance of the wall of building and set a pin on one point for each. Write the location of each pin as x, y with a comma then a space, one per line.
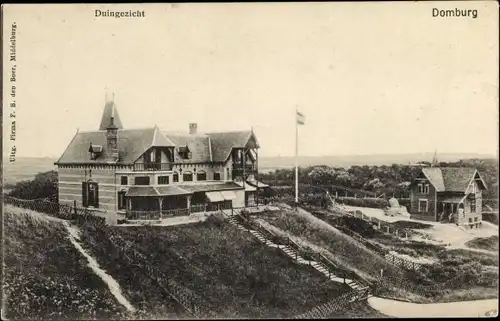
240, 198
70, 186
415, 196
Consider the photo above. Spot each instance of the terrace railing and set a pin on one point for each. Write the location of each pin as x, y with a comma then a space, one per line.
153, 166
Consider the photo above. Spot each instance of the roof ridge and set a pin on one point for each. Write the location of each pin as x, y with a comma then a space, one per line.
229, 132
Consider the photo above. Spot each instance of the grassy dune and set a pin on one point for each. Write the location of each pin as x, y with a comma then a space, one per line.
234, 274
45, 277
353, 255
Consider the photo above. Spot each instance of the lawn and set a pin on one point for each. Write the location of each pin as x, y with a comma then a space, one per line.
232, 273
475, 268
45, 277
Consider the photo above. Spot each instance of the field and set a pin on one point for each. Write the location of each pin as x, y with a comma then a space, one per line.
230, 271
45, 277
479, 268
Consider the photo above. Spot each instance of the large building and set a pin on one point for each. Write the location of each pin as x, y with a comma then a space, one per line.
150, 173
438, 192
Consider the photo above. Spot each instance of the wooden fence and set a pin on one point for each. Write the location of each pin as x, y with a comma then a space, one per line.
326, 310
62, 211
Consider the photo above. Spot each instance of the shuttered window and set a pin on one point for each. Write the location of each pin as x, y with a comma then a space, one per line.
90, 194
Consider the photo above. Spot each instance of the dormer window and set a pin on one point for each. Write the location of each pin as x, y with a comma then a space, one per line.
95, 151
184, 152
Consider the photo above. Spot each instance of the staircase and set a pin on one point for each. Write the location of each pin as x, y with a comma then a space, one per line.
293, 253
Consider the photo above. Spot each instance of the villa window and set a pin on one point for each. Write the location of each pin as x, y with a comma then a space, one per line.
473, 188
187, 177
423, 206
216, 176
201, 176
142, 180
124, 180
420, 188
90, 194
122, 202
175, 177
163, 180
473, 205
426, 189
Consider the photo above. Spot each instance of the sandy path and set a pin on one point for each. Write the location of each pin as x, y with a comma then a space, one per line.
114, 287
401, 309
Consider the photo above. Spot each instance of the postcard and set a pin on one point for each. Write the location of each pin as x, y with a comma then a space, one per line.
250, 160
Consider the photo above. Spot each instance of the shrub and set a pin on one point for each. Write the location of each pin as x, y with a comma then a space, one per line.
485, 243
42, 186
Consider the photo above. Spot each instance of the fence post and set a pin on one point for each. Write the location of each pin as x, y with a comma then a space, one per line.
397, 233
379, 225
388, 231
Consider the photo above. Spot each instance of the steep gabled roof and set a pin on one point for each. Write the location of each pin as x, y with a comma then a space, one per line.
109, 111
197, 144
132, 143
223, 143
435, 176
451, 179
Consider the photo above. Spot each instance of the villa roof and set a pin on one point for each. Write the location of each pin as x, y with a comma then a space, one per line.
452, 179
133, 143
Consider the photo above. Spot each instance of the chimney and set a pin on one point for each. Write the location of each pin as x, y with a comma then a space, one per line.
193, 128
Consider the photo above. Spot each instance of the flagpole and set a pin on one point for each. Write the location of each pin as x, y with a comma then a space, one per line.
296, 158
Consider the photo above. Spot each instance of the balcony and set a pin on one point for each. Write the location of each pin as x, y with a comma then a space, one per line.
153, 167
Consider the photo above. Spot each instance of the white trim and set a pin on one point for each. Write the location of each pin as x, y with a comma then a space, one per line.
426, 205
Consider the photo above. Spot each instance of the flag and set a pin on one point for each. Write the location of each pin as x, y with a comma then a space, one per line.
300, 118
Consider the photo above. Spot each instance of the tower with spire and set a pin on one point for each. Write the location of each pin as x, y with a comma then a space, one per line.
111, 123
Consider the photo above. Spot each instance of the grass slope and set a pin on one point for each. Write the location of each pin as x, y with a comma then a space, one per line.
45, 277
233, 273
484, 243
480, 268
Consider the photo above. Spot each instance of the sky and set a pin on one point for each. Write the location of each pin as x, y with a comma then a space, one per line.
370, 78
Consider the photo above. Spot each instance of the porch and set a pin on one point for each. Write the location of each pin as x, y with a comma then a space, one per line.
156, 203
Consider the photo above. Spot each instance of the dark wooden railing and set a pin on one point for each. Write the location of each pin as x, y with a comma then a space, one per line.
153, 167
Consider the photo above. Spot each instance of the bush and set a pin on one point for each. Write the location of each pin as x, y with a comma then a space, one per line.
44, 185
484, 243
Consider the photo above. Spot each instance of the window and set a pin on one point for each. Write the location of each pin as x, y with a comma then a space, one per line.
90, 194
142, 180
175, 177
420, 188
187, 177
184, 152
473, 205
423, 206
426, 189
124, 180
163, 180
228, 176
201, 176
217, 176
473, 188
122, 202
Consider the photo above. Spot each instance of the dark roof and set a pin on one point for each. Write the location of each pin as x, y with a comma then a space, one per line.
451, 179
453, 199
210, 187
110, 110
197, 144
223, 143
142, 191
171, 190
132, 143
